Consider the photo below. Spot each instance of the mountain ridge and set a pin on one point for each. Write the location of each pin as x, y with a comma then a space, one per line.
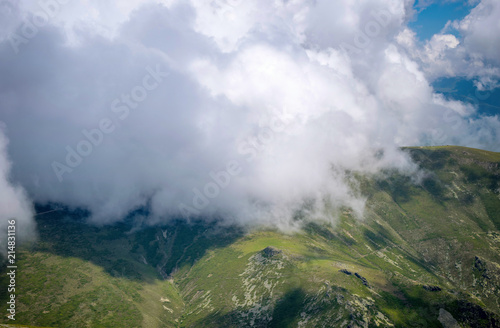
425, 255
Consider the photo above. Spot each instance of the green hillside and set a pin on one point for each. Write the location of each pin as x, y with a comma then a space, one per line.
427, 254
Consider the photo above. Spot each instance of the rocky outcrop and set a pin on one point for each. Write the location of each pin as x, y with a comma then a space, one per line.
431, 288
447, 319
363, 279
270, 251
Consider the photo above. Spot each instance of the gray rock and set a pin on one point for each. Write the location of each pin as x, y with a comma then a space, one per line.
270, 251
447, 319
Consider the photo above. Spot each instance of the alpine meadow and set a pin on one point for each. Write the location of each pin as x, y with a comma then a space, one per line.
230, 163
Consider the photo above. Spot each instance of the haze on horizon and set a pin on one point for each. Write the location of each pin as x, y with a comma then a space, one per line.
245, 110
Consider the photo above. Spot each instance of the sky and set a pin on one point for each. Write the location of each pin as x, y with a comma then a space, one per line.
249, 111
431, 17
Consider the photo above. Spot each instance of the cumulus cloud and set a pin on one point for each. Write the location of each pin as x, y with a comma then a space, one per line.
481, 31
467, 47
251, 111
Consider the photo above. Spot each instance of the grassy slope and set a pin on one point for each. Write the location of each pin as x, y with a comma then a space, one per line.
78, 276
442, 232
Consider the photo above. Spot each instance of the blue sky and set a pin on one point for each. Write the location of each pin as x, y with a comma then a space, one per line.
433, 18
430, 20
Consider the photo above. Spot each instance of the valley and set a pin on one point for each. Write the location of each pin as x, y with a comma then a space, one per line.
425, 254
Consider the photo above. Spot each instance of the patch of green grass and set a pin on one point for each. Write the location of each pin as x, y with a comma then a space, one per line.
287, 309
491, 204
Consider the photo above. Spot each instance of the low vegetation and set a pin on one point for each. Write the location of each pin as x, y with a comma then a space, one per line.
425, 255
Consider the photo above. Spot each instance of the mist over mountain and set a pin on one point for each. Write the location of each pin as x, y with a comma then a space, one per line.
260, 163
250, 111
424, 255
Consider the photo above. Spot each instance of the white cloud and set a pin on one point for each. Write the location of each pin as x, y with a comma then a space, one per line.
481, 30
474, 54
15, 209
267, 85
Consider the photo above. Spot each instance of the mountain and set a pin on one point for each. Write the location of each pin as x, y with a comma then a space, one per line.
426, 254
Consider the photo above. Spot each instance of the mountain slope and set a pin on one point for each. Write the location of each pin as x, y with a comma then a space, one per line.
426, 254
